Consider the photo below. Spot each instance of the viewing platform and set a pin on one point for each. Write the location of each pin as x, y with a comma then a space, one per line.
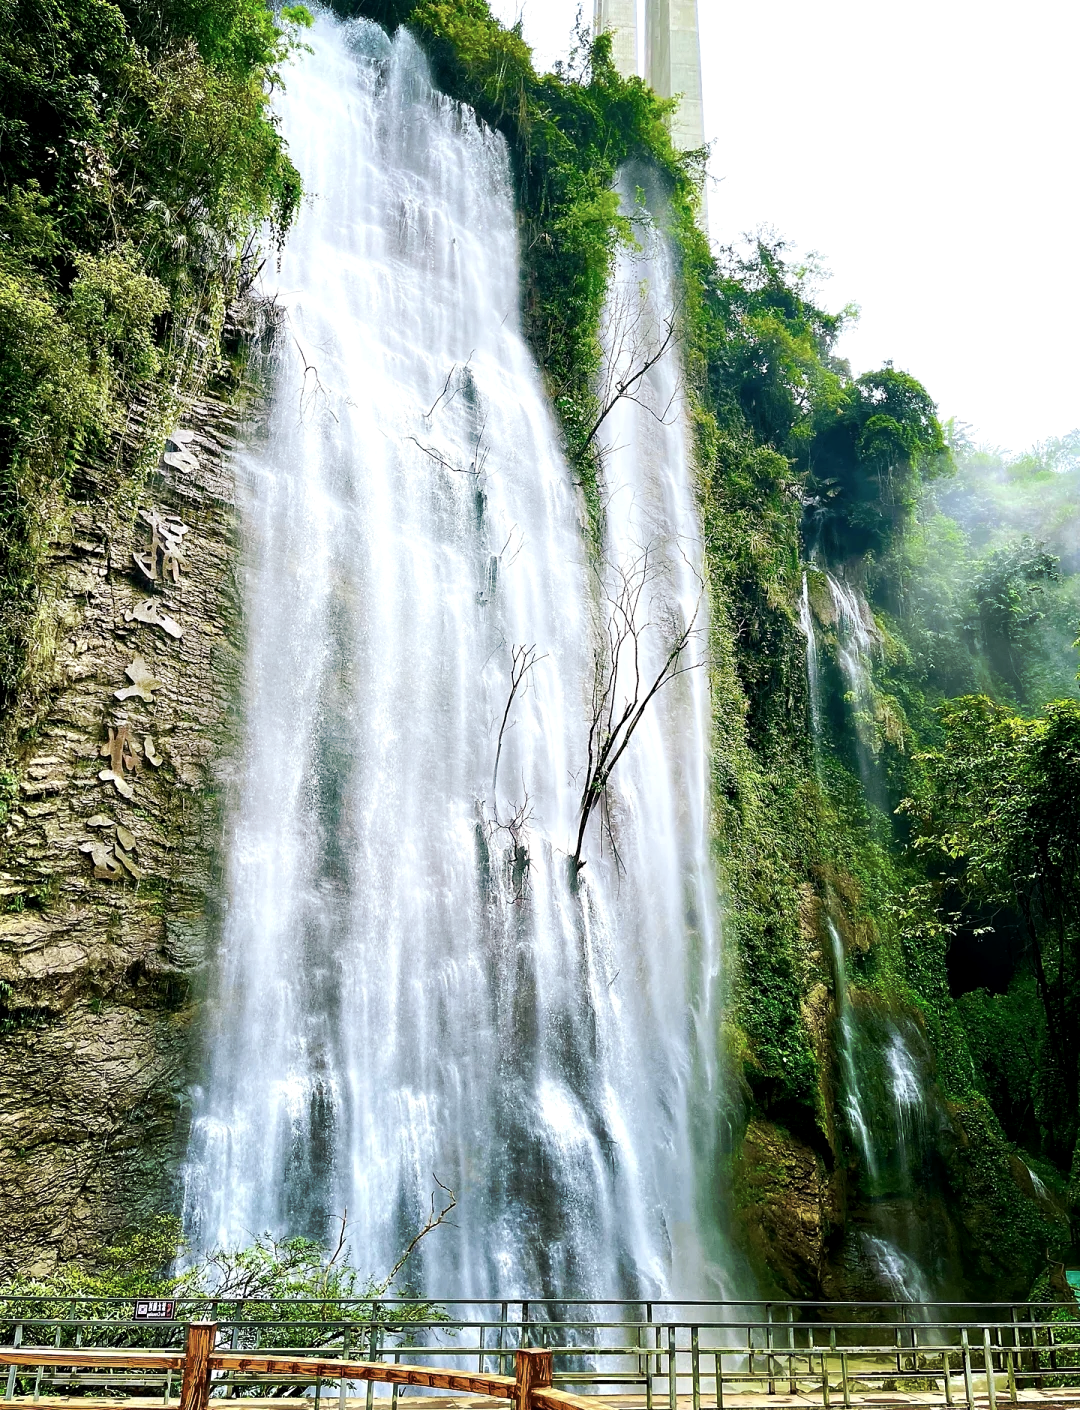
536, 1356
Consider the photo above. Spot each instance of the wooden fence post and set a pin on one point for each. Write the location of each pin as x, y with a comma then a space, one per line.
195, 1387
532, 1371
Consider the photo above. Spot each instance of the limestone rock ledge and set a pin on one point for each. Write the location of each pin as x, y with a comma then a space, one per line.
108, 884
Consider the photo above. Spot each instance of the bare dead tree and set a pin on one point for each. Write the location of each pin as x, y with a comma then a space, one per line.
446, 395
637, 342
622, 691
475, 469
522, 660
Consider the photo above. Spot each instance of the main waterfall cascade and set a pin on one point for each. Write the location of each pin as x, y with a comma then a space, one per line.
413, 985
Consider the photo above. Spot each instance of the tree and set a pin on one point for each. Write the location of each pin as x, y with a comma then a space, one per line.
773, 357
284, 1287
871, 450
1009, 593
637, 339
1002, 817
623, 687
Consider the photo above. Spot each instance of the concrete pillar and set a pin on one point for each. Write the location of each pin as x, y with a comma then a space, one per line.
620, 16
673, 65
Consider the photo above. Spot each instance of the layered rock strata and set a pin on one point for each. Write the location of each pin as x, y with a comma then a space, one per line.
107, 865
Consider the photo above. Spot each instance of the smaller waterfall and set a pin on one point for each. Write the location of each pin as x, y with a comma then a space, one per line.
881, 1081
855, 642
898, 1270
904, 1081
883, 1102
813, 663
853, 1099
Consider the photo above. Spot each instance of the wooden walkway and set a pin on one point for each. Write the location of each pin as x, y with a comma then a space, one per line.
733, 1400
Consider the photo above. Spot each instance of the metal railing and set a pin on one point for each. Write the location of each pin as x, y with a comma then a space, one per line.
682, 1356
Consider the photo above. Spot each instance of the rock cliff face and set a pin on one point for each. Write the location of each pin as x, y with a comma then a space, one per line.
108, 858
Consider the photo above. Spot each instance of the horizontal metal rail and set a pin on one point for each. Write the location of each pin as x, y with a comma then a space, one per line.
662, 1359
530, 1304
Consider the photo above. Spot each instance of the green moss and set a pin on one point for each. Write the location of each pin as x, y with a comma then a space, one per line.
138, 155
1008, 1233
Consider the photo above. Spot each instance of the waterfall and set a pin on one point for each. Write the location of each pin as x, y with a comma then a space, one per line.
855, 638
412, 982
882, 1086
813, 662
853, 1098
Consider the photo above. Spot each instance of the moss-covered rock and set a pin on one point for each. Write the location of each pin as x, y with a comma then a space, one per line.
789, 1207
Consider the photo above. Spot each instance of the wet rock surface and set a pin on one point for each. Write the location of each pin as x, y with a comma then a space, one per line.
790, 1206
107, 858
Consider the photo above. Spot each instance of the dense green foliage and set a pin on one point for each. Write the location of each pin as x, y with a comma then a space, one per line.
1001, 821
282, 1289
138, 157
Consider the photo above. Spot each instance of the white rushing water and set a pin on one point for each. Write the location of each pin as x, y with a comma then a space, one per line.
853, 1098
855, 640
881, 1084
410, 985
813, 664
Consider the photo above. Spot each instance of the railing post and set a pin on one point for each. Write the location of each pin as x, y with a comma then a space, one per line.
195, 1387
695, 1369
1011, 1367
672, 1369
793, 1388
11, 1374
946, 1365
373, 1353
965, 1352
532, 1371
844, 1380
502, 1337
988, 1364
346, 1348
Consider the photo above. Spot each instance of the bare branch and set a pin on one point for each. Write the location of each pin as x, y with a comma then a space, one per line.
479, 462
311, 370
446, 388
441, 459
522, 660
635, 346
621, 694
433, 1222
341, 1239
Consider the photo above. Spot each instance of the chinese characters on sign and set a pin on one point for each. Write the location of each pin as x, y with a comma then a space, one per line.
155, 1309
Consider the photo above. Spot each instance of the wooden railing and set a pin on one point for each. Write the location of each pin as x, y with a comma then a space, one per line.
988, 1361
529, 1388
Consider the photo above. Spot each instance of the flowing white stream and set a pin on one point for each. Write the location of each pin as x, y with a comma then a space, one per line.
881, 1083
410, 985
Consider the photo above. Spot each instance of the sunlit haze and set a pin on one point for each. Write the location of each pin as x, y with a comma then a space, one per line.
928, 154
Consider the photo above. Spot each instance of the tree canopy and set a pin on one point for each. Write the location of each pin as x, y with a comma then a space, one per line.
1001, 820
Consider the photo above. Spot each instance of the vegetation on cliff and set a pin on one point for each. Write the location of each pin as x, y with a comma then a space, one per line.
138, 160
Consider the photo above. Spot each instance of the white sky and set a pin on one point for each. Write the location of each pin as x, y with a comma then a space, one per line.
928, 152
